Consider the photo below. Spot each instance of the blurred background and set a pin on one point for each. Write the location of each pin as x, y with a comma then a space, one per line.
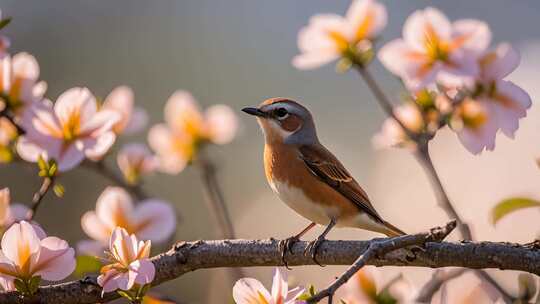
239, 53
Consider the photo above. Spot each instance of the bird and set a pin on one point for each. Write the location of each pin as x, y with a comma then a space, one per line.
308, 178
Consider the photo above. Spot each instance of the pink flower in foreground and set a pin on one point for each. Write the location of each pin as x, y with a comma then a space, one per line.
68, 132
19, 81
392, 135
433, 49
11, 213
251, 291
151, 219
475, 124
508, 101
176, 143
328, 36
129, 263
365, 288
27, 252
135, 160
132, 119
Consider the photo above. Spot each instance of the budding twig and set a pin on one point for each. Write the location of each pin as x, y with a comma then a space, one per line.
424, 158
40, 194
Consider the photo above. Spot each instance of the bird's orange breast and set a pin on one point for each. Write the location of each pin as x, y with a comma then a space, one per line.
282, 164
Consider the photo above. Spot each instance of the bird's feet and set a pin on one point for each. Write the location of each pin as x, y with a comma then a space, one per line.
313, 247
286, 245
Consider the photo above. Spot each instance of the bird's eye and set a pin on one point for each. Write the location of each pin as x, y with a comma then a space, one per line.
281, 113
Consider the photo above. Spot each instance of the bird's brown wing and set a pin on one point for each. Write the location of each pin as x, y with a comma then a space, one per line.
329, 169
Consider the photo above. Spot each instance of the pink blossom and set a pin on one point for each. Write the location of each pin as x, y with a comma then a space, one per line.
366, 284
150, 219
251, 291
129, 263
508, 101
475, 124
433, 49
132, 119
328, 36
27, 252
19, 80
11, 213
176, 143
135, 160
392, 135
67, 132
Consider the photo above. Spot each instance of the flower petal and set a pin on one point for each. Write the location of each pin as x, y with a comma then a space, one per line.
162, 141
249, 291
94, 227
20, 242
155, 220
367, 18
500, 63
120, 100
222, 123
90, 247
475, 35
96, 148
142, 272
114, 208
75, 104
139, 120
280, 287
426, 22
182, 113
56, 259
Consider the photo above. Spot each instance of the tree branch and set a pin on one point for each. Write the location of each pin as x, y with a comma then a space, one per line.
40, 194
185, 257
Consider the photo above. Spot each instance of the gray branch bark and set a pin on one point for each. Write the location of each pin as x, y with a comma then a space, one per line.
185, 257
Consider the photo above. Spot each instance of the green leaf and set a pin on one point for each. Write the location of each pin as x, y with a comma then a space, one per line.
312, 290
4, 22
510, 205
33, 284
87, 264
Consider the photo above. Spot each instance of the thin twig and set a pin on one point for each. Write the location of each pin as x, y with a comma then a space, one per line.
438, 278
40, 194
102, 169
216, 204
383, 101
378, 249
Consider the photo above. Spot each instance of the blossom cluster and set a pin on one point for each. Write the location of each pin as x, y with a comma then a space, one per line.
451, 74
76, 129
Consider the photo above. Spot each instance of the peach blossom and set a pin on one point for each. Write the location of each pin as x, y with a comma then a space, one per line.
434, 50
365, 286
11, 213
19, 80
132, 119
27, 252
251, 291
176, 142
129, 263
392, 135
150, 219
69, 131
475, 124
328, 36
508, 101
135, 160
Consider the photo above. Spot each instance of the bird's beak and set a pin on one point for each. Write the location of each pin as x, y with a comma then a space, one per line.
254, 112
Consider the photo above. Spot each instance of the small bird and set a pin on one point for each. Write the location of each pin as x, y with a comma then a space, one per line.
309, 178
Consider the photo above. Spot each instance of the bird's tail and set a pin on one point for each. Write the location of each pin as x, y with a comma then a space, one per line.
392, 231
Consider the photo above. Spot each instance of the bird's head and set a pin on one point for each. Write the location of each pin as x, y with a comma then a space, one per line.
285, 121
